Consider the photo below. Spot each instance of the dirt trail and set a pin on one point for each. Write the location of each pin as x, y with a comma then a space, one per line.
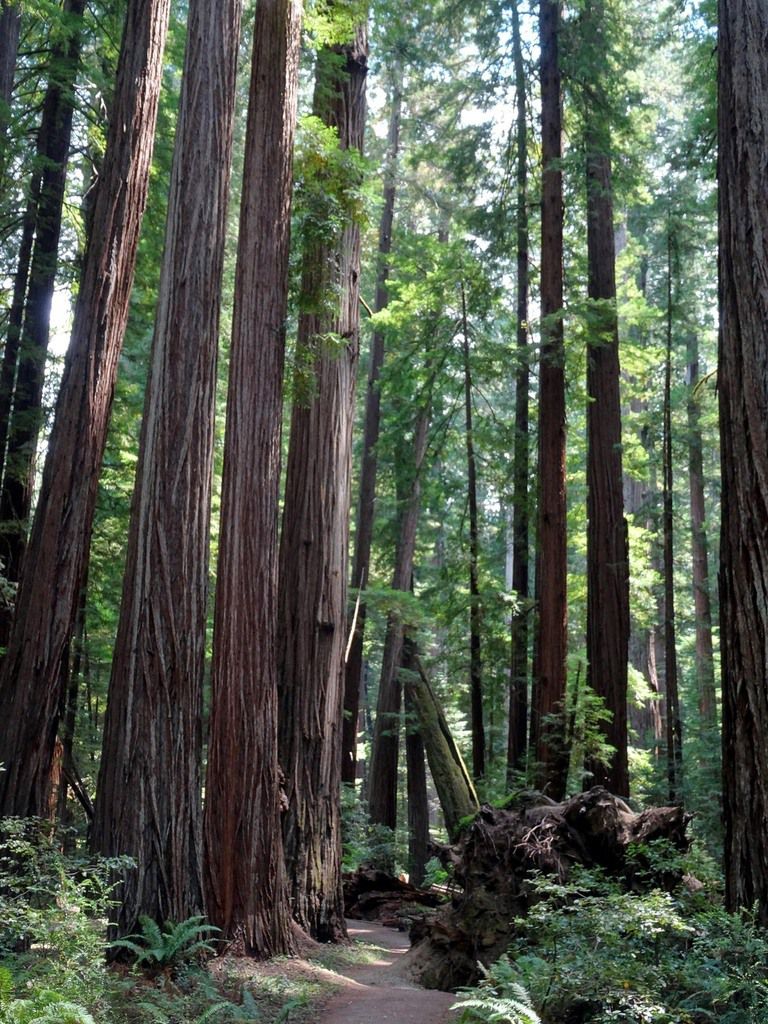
374, 993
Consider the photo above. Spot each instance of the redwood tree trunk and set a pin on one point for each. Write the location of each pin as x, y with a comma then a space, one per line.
244, 873
418, 804
10, 28
315, 533
705, 664
743, 389
57, 555
607, 546
369, 462
26, 418
149, 795
547, 734
518, 694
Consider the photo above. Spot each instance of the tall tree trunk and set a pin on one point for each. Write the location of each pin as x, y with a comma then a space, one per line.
743, 389
26, 417
57, 555
418, 804
369, 463
475, 612
314, 540
674, 725
547, 733
149, 795
607, 544
244, 872
518, 693
382, 787
705, 664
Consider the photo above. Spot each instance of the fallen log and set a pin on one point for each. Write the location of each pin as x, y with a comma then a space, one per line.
373, 895
496, 858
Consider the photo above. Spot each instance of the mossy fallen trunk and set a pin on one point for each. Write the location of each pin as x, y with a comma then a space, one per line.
494, 861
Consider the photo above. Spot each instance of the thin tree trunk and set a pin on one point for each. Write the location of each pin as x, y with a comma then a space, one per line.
57, 556
149, 802
26, 417
382, 789
244, 872
314, 539
607, 544
518, 694
743, 390
475, 612
705, 664
369, 462
547, 719
674, 725
418, 804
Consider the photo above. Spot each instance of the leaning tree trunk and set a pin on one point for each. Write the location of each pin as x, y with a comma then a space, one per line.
149, 794
369, 462
517, 744
705, 663
607, 543
455, 789
418, 801
27, 415
547, 733
244, 873
57, 554
743, 389
314, 540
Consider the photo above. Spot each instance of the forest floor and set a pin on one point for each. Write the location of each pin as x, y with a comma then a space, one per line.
362, 983
378, 992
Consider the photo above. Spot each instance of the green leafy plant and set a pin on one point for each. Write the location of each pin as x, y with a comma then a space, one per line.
499, 997
156, 946
44, 1007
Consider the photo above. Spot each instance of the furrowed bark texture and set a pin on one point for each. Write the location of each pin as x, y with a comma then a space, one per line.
418, 802
369, 461
57, 554
244, 874
314, 539
743, 387
149, 794
517, 744
26, 418
547, 740
10, 29
607, 546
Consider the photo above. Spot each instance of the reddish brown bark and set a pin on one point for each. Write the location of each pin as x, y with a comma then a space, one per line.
315, 533
149, 794
10, 28
547, 739
607, 546
369, 461
517, 744
243, 867
57, 555
418, 803
743, 388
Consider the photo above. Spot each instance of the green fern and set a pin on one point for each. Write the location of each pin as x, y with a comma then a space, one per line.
45, 1008
154, 946
499, 998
